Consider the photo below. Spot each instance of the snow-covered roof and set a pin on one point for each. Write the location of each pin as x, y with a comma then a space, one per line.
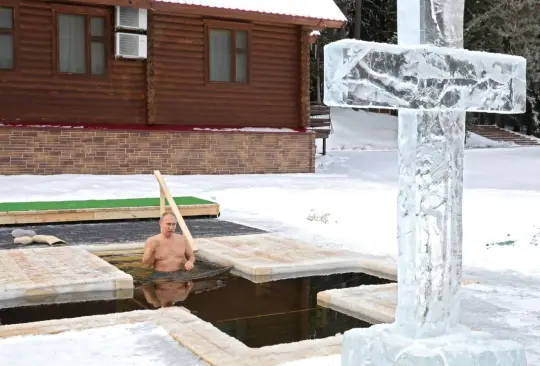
317, 9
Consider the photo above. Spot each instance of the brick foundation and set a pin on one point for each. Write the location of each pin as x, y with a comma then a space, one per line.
39, 150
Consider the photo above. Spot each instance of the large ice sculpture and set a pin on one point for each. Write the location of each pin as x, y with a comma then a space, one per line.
381, 345
432, 81
367, 74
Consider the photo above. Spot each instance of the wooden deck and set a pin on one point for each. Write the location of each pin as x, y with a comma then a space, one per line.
498, 134
100, 214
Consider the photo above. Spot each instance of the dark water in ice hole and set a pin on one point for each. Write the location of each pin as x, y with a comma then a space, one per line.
256, 314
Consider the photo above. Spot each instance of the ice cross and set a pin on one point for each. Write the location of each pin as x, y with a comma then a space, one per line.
433, 81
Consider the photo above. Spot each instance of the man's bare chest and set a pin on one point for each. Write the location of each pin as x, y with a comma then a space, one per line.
170, 250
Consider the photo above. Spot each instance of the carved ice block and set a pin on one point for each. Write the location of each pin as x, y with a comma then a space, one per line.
429, 220
381, 345
422, 77
432, 87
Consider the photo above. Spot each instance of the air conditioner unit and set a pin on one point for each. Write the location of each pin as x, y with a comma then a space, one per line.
131, 18
129, 45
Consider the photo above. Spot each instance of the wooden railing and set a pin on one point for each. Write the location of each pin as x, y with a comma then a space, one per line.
165, 194
320, 122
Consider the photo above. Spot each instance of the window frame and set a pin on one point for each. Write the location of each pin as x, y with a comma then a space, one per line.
14, 6
211, 24
88, 12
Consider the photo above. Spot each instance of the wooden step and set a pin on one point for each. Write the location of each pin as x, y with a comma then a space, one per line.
501, 135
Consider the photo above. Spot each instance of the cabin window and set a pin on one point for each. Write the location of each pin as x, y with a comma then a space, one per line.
7, 48
228, 55
81, 44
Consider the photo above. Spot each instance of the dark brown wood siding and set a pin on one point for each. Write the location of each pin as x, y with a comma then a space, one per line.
36, 93
169, 88
271, 99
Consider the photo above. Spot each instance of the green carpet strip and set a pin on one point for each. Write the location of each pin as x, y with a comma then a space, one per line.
89, 204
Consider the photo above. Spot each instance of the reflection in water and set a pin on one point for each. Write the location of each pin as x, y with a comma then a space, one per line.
132, 264
161, 294
165, 290
166, 294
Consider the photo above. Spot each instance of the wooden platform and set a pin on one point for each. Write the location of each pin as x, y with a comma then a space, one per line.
74, 211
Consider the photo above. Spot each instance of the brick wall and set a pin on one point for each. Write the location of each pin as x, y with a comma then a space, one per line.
83, 151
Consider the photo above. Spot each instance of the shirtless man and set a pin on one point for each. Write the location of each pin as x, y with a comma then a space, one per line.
168, 252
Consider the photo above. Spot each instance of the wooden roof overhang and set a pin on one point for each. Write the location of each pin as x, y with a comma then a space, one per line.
171, 7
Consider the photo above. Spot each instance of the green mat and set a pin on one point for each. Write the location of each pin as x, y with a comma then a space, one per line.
113, 203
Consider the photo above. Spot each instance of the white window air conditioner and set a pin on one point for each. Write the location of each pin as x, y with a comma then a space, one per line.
129, 45
131, 18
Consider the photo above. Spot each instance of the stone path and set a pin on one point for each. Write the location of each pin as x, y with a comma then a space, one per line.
203, 339
270, 257
33, 276
371, 303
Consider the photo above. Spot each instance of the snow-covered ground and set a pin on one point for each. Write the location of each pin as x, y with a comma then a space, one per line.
350, 202
361, 130
140, 344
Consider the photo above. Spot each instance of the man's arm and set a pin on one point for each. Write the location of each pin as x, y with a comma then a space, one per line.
148, 255
189, 252
190, 256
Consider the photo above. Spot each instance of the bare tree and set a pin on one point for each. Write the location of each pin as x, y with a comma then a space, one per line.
358, 19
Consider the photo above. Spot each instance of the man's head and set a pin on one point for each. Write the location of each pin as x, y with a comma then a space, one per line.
167, 223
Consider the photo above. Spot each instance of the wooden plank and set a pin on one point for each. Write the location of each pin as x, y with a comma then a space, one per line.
162, 203
320, 123
175, 210
100, 214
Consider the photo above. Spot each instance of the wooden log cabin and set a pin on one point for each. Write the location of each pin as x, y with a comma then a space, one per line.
183, 86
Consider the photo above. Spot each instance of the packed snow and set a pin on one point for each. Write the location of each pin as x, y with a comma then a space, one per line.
332, 360
139, 344
350, 203
317, 9
248, 129
360, 130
